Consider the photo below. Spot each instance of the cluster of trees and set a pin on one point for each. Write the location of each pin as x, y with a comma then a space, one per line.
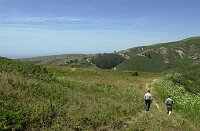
107, 60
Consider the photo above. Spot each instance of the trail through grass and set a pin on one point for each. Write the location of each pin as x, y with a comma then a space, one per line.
157, 118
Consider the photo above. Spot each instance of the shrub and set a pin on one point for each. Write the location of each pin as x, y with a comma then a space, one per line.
134, 74
189, 77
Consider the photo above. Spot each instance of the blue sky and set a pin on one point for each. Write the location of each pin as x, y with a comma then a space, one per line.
45, 27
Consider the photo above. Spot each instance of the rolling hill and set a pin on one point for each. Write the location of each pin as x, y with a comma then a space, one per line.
50, 94
154, 58
37, 97
72, 60
161, 57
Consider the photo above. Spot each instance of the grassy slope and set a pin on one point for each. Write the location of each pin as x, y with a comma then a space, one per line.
164, 56
75, 99
144, 64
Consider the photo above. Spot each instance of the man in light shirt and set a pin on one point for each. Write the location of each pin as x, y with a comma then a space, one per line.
147, 98
169, 102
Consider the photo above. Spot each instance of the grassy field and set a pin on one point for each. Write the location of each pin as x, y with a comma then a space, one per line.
60, 98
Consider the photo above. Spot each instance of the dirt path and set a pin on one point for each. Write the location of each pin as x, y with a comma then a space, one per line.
158, 114
150, 87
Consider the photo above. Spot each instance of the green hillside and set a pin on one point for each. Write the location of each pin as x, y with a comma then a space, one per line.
154, 58
70, 60
161, 57
34, 97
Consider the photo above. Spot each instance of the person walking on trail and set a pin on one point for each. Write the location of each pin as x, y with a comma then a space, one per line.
169, 102
147, 98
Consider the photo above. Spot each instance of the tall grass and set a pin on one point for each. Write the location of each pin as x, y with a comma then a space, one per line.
186, 103
28, 103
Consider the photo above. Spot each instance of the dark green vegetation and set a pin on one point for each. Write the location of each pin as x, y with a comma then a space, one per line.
134, 74
189, 77
107, 61
154, 58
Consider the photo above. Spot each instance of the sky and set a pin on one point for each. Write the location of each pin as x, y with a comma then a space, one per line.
47, 27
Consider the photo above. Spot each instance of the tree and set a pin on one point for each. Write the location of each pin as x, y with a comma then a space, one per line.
107, 61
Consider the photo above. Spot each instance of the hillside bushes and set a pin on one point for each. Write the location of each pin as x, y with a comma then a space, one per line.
107, 61
188, 77
25, 69
183, 86
134, 73
185, 103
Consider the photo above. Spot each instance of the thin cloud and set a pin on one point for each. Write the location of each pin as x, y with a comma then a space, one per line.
75, 23
39, 19
68, 19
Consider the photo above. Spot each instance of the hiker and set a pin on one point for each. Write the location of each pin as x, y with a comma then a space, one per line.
169, 102
147, 98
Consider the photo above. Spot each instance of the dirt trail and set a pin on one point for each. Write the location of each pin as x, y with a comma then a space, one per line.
150, 87
158, 112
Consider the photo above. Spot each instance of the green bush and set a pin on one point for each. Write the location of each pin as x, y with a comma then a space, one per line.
188, 77
134, 74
